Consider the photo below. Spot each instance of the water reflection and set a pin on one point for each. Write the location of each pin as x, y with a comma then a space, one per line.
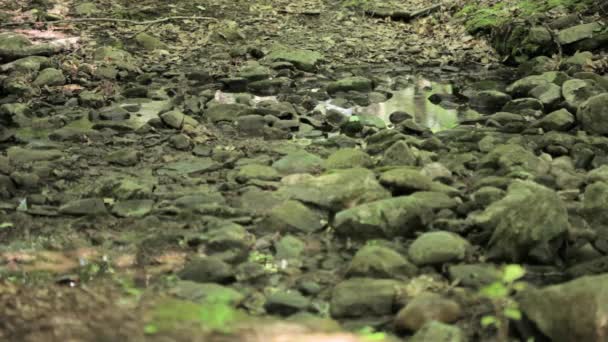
414, 100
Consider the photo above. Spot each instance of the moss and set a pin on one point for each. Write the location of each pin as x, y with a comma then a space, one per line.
480, 17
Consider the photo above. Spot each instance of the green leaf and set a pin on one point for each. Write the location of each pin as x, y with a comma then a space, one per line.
150, 329
512, 313
495, 290
519, 286
512, 272
488, 320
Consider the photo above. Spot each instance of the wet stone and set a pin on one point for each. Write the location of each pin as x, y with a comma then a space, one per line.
359, 297
380, 262
356, 83
286, 303
84, 207
437, 248
124, 157
133, 208
207, 270
425, 308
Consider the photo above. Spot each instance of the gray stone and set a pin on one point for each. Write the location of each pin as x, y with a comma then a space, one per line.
426, 308
133, 208
286, 303
257, 171
84, 207
530, 219
404, 180
523, 86
292, 216
489, 100
391, 217
548, 94
380, 262
337, 190
438, 332
49, 77
346, 158
124, 157
474, 275
559, 120
578, 33
19, 155
306, 60
593, 116
572, 311
437, 248
578, 91
207, 270
355, 83
298, 162
178, 120
359, 297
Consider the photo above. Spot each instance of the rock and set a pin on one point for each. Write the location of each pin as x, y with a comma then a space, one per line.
578, 33
440, 332
49, 77
489, 100
347, 158
559, 120
380, 262
474, 275
178, 120
149, 42
257, 171
286, 303
114, 113
251, 125
524, 105
523, 86
206, 292
438, 248
226, 112
305, 60
289, 247
599, 174
578, 91
86, 9
116, 57
600, 80
124, 157
337, 190
180, 142
88, 98
487, 195
511, 158
19, 155
548, 94
206, 270
391, 217
355, 83
298, 162
84, 207
404, 180
425, 308
586, 316
399, 153
292, 216
253, 71
228, 241
592, 115
364, 297
530, 220
594, 203
133, 208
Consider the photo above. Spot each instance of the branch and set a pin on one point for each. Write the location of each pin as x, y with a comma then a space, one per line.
127, 21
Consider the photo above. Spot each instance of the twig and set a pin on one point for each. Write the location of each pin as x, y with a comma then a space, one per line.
127, 21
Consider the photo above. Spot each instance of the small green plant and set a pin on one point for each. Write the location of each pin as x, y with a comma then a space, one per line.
369, 334
501, 294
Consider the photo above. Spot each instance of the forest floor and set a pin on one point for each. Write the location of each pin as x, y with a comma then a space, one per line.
308, 170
